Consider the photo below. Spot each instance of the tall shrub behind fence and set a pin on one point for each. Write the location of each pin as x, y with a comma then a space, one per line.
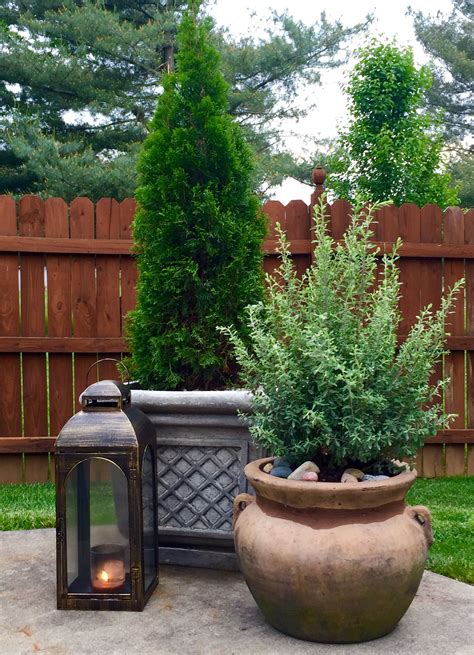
67, 280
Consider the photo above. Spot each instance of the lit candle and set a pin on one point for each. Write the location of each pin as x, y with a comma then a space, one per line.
107, 567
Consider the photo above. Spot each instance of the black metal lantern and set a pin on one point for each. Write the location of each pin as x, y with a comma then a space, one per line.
106, 504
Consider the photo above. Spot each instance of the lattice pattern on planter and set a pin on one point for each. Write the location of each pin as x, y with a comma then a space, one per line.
197, 485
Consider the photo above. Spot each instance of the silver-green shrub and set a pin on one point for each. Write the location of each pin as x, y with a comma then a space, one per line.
324, 365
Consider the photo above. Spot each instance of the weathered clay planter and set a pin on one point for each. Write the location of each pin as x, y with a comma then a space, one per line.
331, 562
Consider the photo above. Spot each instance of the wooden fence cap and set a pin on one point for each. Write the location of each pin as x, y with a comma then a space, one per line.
318, 175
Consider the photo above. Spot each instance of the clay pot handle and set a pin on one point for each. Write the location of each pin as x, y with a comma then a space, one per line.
422, 516
240, 503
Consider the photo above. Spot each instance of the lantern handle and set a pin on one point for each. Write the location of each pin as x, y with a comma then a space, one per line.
108, 359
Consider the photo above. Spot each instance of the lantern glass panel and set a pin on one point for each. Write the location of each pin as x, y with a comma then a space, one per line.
97, 528
149, 545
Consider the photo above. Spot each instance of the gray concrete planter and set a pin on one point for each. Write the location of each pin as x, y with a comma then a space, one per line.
202, 448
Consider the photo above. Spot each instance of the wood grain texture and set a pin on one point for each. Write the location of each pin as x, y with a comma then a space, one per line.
52, 245
84, 375
296, 246
109, 324
61, 344
128, 269
391, 223
128, 207
409, 222
83, 292
108, 271
59, 316
58, 271
31, 222
75, 246
275, 212
433, 462
470, 460
36, 468
469, 273
340, 212
11, 468
385, 227
109, 370
298, 230
453, 233
431, 286
453, 436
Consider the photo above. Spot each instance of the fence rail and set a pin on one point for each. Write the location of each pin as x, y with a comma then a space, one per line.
67, 281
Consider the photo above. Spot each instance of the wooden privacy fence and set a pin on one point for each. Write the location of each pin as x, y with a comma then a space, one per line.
67, 280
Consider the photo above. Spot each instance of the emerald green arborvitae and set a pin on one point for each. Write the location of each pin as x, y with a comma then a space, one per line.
198, 231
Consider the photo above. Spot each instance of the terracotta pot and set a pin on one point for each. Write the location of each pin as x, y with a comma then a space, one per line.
331, 562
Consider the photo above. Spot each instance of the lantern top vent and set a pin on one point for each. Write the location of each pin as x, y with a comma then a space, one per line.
107, 395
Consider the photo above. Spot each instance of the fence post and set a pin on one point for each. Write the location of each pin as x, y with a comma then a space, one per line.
318, 176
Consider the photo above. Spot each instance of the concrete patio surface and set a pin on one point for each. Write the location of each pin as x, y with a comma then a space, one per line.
197, 612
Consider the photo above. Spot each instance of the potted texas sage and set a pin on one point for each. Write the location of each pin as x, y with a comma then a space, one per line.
330, 550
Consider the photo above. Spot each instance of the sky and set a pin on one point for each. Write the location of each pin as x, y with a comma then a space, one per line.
390, 20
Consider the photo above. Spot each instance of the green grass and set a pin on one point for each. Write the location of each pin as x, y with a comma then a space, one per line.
27, 506
451, 501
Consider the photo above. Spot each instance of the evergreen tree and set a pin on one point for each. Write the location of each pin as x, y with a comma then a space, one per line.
462, 170
390, 150
199, 229
100, 62
449, 40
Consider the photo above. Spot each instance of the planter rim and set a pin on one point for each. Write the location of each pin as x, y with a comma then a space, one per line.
328, 495
193, 402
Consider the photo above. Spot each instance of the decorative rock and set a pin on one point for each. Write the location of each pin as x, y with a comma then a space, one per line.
357, 473
281, 461
306, 466
400, 464
309, 476
268, 467
374, 478
281, 471
348, 478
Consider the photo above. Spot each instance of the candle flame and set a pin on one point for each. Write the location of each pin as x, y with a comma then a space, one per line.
103, 575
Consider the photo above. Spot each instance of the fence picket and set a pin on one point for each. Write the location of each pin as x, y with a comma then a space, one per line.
340, 213
298, 227
469, 273
454, 362
410, 268
275, 212
83, 294
11, 469
431, 283
128, 270
108, 283
409, 225
59, 318
33, 324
